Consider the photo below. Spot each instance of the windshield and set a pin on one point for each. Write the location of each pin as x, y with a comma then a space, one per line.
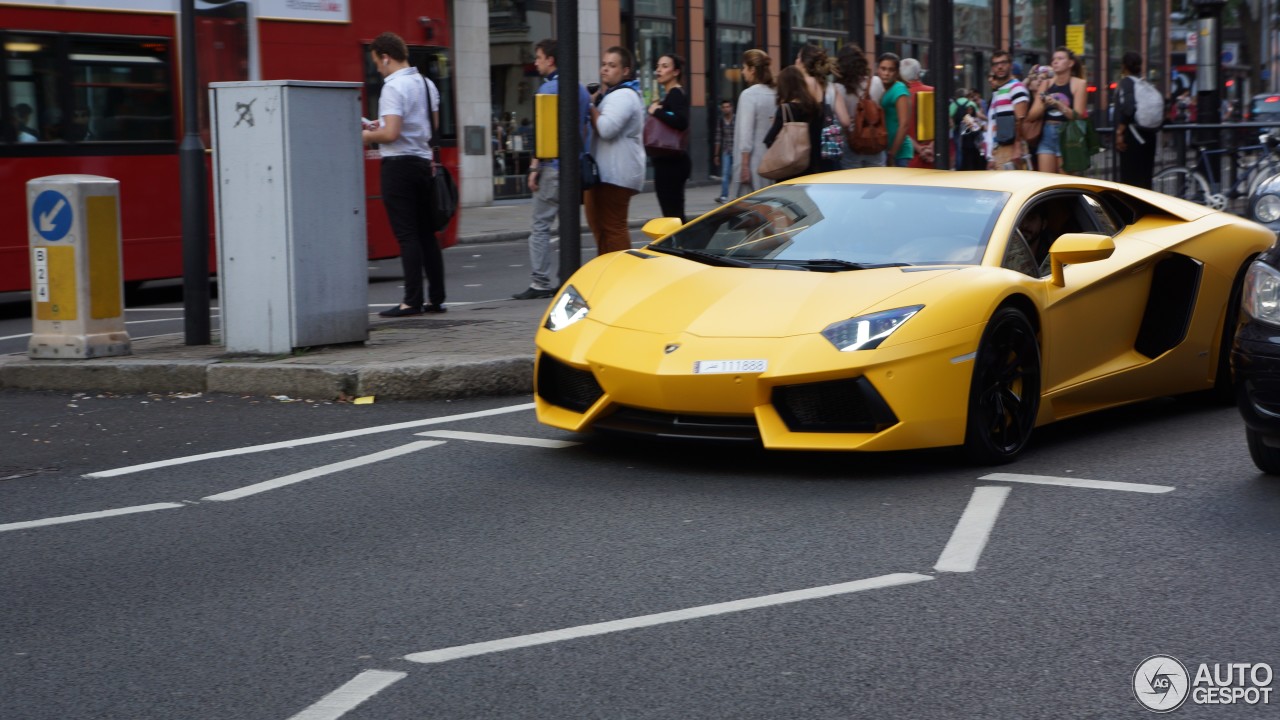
849, 226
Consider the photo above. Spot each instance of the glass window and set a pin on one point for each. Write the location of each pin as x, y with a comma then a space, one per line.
121, 90
655, 7
1031, 27
1124, 32
655, 38
825, 14
974, 22
730, 44
1156, 71
734, 11
904, 18
33, 113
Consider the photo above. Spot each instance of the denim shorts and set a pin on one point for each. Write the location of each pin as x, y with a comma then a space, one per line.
1050, 139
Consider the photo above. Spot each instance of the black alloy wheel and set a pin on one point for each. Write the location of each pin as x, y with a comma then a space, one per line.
1004, 395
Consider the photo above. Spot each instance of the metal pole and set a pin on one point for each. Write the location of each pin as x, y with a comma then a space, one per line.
570, 139
195, 197
942, 59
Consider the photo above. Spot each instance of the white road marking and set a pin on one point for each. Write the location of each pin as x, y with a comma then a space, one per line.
351, 694
89, 516
323, 470
553, 636
15, 337
1079, 482
309, 440
503, 439
972, 532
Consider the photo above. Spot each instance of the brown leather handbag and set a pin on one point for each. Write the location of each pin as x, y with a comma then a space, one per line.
662, 140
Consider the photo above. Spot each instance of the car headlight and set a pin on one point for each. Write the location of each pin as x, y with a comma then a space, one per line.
868, 331
568, 309
1262, 293
1267, 209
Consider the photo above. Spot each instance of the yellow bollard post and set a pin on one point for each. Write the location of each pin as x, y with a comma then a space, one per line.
77, 282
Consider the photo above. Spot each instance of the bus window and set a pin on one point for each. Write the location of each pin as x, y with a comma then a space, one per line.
121, 90
432, 62
32, 112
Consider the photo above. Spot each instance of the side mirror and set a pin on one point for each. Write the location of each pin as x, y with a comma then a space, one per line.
658, 228
1076, 249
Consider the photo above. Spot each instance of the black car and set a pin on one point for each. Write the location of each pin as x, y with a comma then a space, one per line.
1255, 360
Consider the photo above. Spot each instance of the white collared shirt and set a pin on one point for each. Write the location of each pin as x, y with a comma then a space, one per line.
403, 95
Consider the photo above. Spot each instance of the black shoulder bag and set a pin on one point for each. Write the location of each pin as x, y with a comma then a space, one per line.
442, 192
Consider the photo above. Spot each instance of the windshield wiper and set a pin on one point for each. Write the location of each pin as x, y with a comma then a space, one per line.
701, 256
834, 265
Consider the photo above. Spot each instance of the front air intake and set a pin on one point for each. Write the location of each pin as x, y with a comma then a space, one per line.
565, 386
848, 406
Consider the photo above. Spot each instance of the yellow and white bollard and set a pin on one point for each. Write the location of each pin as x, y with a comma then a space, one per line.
77, 283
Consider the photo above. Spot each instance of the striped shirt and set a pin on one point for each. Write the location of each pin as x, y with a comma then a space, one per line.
1004, 98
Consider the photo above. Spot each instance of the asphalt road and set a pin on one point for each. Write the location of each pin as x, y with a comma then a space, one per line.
340, 577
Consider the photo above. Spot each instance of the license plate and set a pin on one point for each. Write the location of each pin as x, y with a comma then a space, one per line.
710, 367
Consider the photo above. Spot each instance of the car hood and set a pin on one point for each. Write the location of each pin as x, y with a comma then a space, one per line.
670, 295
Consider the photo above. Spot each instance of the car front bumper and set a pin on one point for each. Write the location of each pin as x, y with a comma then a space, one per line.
1255, 364
808, 395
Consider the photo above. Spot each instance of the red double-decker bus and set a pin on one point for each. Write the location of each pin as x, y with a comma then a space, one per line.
94, 87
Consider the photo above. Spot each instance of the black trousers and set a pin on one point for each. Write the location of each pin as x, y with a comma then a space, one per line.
669, 176
1138, 161
405, 181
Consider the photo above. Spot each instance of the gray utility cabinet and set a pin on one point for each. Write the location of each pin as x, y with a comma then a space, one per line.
290, 213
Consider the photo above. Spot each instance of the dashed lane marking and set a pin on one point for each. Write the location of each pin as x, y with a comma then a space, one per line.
89, 516
309, 440
502, 439
970, 537
323, 470
350, 695
1078, 482
554, 636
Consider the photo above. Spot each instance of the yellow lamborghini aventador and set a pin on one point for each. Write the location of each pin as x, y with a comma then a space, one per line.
887, 308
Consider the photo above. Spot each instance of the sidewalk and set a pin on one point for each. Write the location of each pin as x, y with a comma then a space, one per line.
473, 350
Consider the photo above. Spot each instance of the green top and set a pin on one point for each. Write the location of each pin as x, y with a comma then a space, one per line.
890, 104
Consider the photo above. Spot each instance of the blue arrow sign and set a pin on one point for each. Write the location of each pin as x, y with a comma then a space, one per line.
51, 215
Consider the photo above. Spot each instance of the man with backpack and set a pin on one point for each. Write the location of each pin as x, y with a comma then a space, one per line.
1138, 115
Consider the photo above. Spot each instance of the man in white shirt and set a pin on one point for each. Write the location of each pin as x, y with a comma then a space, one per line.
404, 138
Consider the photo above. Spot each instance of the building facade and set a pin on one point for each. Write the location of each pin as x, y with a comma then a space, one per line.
496, 78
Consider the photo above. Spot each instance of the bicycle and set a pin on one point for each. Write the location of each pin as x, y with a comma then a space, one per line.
1199, 182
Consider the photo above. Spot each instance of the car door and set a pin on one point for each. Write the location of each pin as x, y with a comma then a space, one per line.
1091, 321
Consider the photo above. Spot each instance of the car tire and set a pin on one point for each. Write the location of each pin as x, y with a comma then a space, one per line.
1223, 383
1004, 394
1267, 458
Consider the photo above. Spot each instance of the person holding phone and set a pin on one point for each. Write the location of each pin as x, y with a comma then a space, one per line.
403, 134
1005, 114
1062, 100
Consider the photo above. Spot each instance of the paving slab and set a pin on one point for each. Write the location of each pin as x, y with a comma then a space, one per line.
473, 350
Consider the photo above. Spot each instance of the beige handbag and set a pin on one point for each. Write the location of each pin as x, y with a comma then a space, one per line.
789, 154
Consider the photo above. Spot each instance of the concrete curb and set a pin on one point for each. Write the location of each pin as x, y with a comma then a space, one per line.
431, 381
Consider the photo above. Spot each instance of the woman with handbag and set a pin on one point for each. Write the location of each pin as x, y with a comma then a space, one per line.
756, 106
404, 138
796, 105
817, 68
856, 82
896, 103
1062, 101
671, 166
617, 117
